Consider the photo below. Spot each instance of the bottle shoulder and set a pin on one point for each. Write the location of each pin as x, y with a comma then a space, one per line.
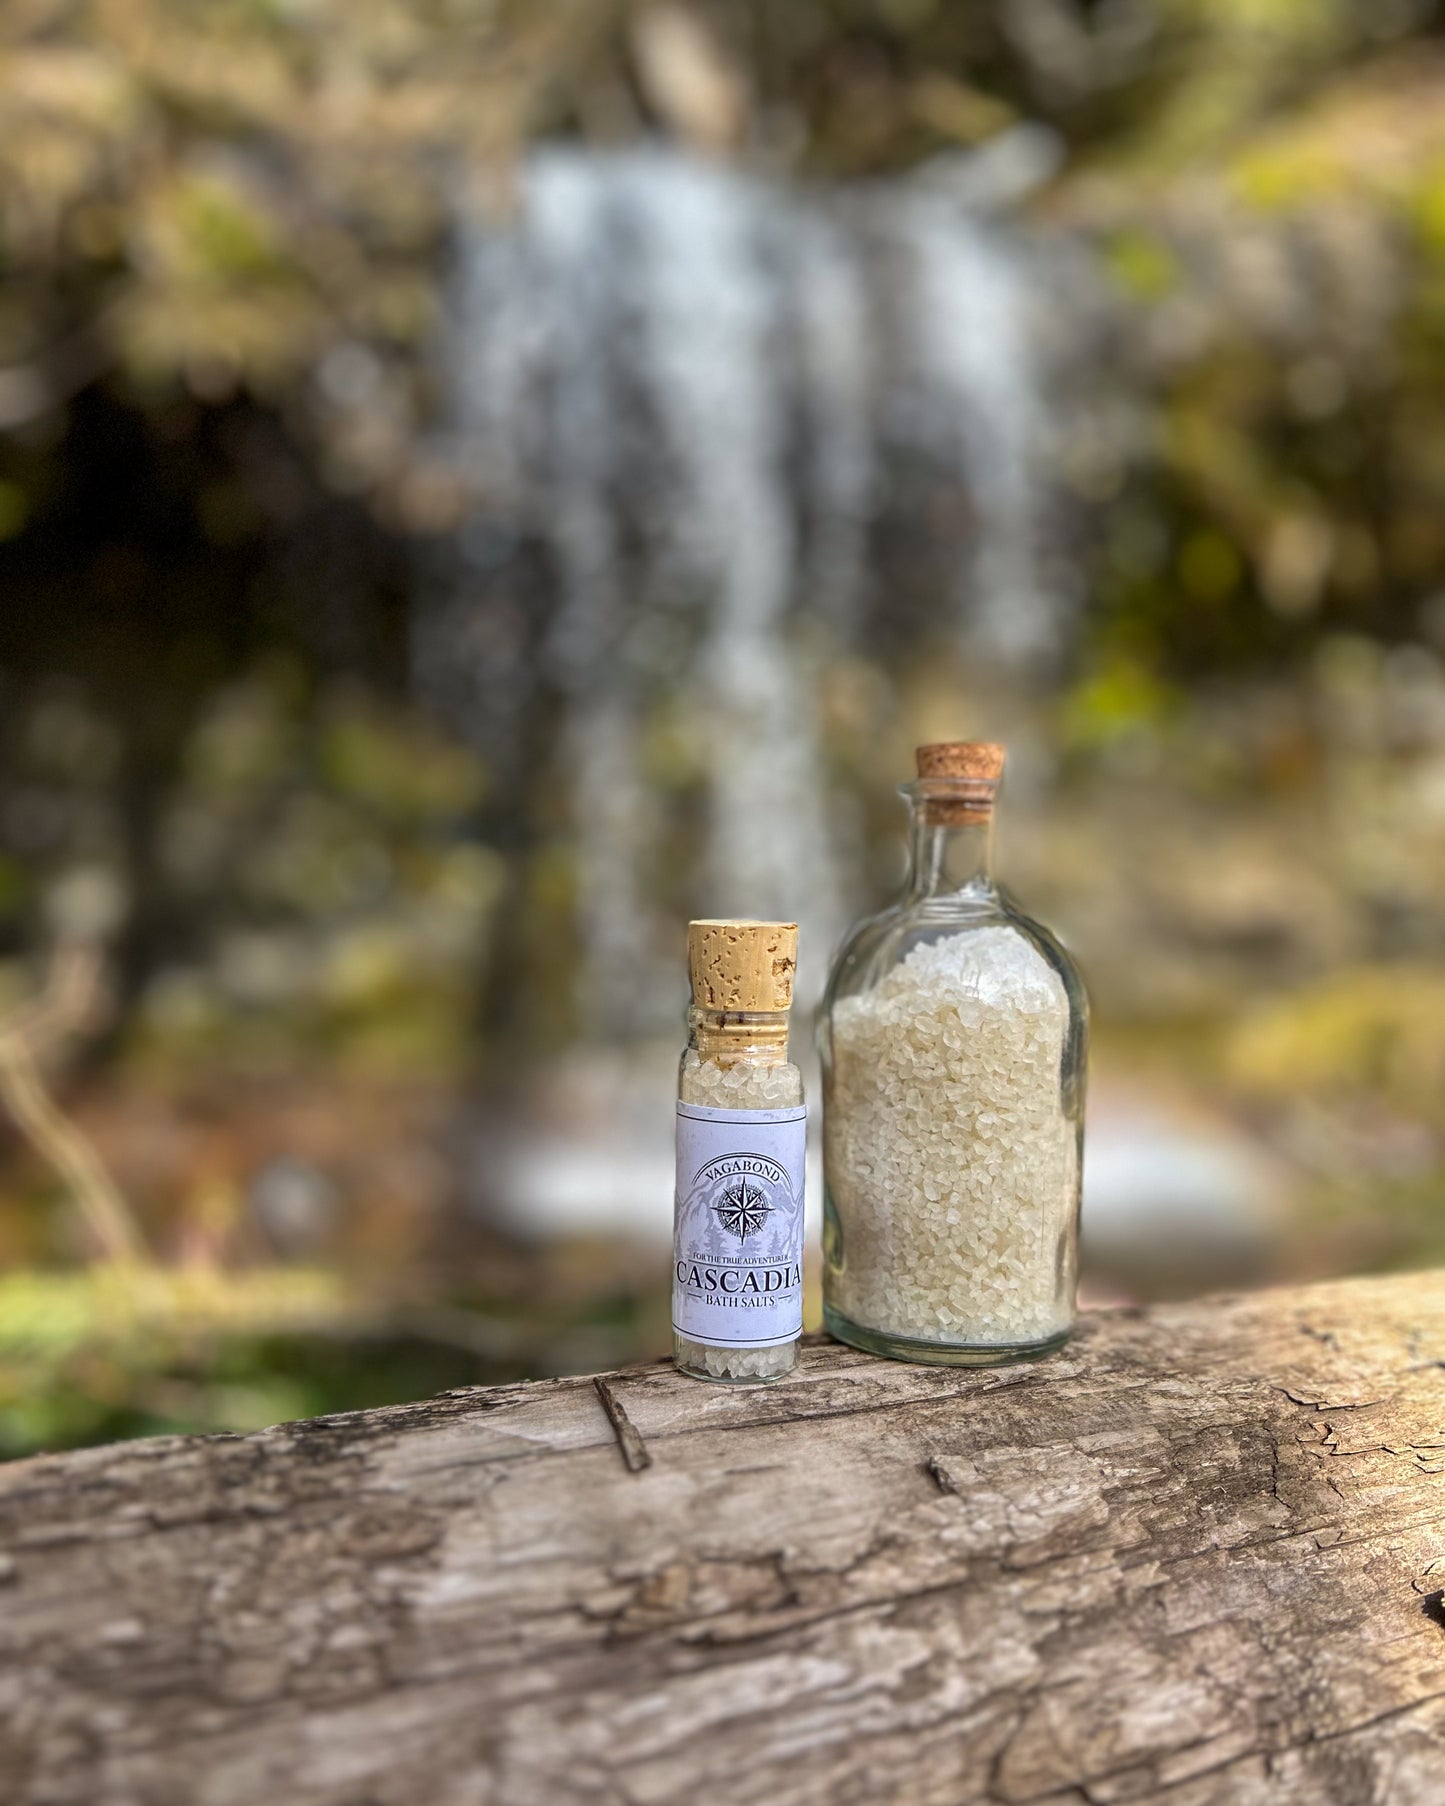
986, 931
1047, 943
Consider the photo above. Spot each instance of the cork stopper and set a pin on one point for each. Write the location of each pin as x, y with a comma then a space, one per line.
961, 759
957, 780
742, 965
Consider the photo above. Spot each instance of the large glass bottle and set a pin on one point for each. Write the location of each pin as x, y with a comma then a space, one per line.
953, 1037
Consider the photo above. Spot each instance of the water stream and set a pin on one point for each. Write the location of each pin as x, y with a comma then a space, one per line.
715, 432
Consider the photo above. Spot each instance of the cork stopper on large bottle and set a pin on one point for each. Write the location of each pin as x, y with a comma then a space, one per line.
958, 779
742, 965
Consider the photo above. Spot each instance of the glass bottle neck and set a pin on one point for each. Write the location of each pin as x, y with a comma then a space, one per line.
948, 858
753, 1037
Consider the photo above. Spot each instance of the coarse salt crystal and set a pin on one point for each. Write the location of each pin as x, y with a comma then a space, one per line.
945, 1124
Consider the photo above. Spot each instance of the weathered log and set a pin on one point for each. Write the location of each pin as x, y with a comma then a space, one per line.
1197, 1557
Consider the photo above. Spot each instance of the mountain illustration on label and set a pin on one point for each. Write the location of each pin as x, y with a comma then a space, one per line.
743, 1209
740, 1208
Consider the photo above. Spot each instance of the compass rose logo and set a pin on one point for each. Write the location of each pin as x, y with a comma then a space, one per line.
743, 1209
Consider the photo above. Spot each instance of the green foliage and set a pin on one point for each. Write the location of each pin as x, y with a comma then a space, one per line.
210, 194
1118, 698
106, 1351
1372, 1030
319, 844
95, 1355
1143, 266
402, 769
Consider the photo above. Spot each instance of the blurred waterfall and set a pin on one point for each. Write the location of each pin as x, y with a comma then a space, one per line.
714, 432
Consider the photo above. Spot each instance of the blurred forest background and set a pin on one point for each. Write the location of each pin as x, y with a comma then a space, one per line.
480, 482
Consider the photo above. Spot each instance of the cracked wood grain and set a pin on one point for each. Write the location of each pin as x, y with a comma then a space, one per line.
1196, 1558
633, 1448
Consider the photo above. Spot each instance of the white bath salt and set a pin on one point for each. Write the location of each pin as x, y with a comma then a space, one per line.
953, 1167
744, 1086
738, 1363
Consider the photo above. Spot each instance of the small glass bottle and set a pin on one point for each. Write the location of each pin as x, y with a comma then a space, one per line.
737, 1289
954, 1039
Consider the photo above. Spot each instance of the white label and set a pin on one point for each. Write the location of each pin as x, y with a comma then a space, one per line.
737, 1239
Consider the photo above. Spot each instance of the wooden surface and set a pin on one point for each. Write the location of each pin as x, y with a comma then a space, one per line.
1198, 1557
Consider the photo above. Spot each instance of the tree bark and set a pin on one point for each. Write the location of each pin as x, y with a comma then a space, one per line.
1197, 1557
